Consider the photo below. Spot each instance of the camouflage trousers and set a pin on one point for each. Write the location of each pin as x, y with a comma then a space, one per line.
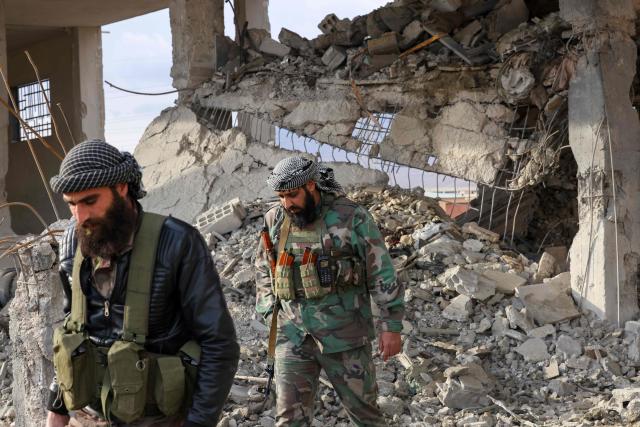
352, 374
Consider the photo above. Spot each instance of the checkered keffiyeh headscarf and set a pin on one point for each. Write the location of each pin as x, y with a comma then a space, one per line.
94, 164
294, 172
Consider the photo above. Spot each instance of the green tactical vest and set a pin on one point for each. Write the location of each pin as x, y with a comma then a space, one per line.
126, 380
301, 281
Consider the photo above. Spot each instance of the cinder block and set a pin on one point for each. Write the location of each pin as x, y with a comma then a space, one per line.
222, 219
334, 57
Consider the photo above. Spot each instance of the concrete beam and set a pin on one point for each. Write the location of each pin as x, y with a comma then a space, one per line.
5, 217
254, 12
88, 88
194, 26
603, 133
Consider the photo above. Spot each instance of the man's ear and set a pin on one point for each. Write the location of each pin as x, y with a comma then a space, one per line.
311, 185
123, 189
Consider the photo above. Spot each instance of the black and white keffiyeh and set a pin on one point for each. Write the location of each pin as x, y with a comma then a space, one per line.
294, 172
93, 164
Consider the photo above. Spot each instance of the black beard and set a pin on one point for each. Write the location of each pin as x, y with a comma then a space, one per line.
308, 213
108, 236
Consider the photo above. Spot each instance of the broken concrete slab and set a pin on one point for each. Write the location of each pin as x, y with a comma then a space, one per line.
518, 319
547, 304
466, 386
272, 47
542, 331
386, 44
467, 282
411, 34
222, 219
294, 41
506, 283
533, 350
546, 267
459, 309
552, 370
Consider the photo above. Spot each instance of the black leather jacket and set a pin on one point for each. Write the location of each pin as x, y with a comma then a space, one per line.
186, 302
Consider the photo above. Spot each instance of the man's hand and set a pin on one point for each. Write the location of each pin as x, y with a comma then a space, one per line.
389, 344
57, 420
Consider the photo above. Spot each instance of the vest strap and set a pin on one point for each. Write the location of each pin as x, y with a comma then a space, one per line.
141, 267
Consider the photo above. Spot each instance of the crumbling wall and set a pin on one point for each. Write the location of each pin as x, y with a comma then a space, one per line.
34, 312
189, 168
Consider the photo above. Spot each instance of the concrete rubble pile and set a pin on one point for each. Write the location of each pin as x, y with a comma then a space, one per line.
491, 337
489, 69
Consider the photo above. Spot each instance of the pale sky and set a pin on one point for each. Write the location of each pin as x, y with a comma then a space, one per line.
137, 56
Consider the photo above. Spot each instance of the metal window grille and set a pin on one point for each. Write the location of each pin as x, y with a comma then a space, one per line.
33, 109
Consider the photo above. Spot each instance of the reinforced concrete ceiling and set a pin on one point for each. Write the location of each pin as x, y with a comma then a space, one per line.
76, 13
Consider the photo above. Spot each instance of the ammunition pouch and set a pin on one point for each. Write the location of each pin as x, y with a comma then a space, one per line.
74, 360
127, 378
311, 282
283, 283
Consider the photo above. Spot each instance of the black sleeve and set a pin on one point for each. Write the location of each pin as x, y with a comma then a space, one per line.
205, 311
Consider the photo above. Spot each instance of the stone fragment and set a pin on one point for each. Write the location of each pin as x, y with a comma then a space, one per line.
546, 267
294, 40
533, 350
334, 57
458, 309
42, 257
542, 331
499, 327
391, 405
611, 366
466, 386
552, 370
481, 233
466, 35
443, 245
547, 304
473, 245
411, 33
428, 231
7, 285
445, 5
483, 326
515, 335
632, 411
517, 83
633, 352
246, 275
272, 47
467, 282
506, 283
518, 319
559, 253
582, 362
568, 347
506, 17
561, 387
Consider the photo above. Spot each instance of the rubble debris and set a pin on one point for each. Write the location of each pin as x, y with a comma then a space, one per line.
223, 219
533, 350
334, 57
547, 304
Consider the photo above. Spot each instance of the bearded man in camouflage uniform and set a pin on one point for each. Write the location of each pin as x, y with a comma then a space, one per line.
326, 324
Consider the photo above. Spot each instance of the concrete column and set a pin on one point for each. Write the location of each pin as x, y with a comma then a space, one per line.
88, 87
254, 12
5, 217
195, 26
604, 270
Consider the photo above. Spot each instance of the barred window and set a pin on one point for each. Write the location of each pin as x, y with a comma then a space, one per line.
33, 109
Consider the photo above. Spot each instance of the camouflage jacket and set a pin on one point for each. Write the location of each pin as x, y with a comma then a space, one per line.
341, 320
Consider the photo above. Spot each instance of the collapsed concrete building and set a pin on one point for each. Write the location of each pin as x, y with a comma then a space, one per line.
532, 101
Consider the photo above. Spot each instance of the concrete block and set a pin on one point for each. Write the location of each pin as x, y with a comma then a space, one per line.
459, 309
412, 33
384, 45
533, 350
294, 40
222, 219
332, 24
334, 57
272, 47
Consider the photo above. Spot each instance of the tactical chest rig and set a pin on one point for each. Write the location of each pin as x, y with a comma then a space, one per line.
126, 380
308, 266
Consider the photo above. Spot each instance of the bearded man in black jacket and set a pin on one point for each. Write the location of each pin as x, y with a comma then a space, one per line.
184, 306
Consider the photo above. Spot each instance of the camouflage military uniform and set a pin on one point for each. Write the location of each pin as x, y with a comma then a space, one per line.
333, 332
